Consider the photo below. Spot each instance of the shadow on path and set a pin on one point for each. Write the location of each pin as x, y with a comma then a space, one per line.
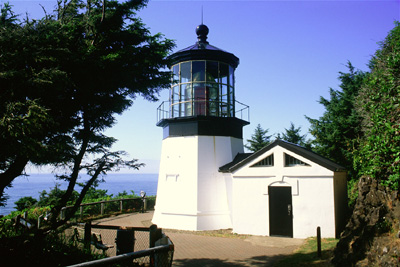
293, 260
254, 261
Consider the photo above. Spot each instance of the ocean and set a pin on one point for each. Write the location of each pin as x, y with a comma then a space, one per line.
114, 183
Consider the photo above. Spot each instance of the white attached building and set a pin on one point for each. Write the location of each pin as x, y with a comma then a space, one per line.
206, 182
286, 190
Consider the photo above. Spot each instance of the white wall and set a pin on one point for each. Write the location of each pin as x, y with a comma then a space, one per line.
313, 207
250, 206
191, 193
312, 196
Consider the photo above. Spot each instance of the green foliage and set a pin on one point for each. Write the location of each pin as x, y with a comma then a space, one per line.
259, 139
94, 194
352, 192
336, 132
379, 105
360, 128
64, 78
35, 208
54, 249
293, 135
33, 215
52, 197
125, 194
25, 203
7, 16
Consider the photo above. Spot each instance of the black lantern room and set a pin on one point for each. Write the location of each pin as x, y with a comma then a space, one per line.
202, 94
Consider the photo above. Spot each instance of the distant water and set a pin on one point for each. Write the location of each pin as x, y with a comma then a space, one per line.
114, 183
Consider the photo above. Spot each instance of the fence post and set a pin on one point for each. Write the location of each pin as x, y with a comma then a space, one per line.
125, 241
87, 235
102, 208
26, 218
155, 234
62, 213
39, 221
18, 219
319, 242
120, 205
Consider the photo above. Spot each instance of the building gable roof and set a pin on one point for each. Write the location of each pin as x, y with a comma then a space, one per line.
242, 159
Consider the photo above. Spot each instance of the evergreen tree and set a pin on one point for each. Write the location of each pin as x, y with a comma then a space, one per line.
293, 135
259, 139
378, 104
63, 78
338, 129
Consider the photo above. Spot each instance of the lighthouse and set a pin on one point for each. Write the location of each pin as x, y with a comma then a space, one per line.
202, 130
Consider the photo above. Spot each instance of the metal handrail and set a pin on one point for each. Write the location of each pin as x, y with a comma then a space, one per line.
126, 256
242, 111
156, 253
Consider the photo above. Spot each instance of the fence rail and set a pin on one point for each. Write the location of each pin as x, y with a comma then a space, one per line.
91, 209
141, 204
156, 249
154, 252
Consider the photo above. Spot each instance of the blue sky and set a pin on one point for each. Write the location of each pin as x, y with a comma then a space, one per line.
291, 53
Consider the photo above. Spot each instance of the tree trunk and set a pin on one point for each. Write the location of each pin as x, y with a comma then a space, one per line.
15, 170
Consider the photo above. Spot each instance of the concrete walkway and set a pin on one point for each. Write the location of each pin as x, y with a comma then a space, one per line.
201, 250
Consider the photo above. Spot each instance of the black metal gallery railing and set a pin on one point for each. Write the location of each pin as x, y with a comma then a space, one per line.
190, 108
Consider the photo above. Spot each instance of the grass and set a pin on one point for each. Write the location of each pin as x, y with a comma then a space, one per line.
227, 233
306, 254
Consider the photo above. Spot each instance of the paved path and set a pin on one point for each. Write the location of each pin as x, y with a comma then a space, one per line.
197, 250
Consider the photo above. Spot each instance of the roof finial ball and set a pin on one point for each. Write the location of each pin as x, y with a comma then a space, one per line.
202, 31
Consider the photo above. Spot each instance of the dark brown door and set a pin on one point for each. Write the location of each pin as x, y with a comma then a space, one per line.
280, 211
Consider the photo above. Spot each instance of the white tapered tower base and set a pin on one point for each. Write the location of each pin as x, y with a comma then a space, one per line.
191, 193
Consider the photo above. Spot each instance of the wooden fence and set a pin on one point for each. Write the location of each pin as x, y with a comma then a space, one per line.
158, 250
142, 203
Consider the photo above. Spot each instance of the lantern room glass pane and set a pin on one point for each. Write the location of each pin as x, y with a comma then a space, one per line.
224, 92
175, 74
175, 94
213, 94
223, 73
212, 71
231, 76
231, 102
199, 71
231, 98
202, 87
188, 102
186, 72
200, 99
186, 92
224, 101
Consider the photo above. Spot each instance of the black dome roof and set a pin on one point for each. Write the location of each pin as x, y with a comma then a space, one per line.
202, 50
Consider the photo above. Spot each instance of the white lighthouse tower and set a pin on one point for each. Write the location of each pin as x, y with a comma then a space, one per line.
202, 131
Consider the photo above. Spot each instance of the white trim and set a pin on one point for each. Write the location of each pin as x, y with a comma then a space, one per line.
254, 176
281, 181
198, 213
217, 212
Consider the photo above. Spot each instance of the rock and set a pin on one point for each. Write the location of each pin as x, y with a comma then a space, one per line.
371, 217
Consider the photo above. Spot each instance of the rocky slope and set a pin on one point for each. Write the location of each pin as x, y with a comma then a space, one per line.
371, 236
